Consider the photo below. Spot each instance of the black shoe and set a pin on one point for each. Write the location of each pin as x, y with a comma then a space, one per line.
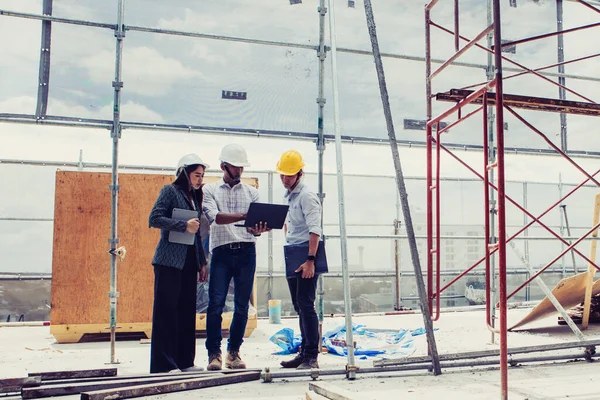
310, 362
293, 363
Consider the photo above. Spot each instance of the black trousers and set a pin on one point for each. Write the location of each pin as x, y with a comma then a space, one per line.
174, 316
303, 292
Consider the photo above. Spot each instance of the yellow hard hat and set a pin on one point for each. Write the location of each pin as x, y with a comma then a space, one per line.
290, 163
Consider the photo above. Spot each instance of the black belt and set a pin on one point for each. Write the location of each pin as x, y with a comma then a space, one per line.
236, 245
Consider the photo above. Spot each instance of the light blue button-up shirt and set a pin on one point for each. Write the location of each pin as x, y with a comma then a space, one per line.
304, 215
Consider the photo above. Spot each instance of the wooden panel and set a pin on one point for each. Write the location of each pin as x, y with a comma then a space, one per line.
569, 292
591, 269
80, 262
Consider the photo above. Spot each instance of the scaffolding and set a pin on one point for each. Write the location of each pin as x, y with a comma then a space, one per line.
491, 98
488, 95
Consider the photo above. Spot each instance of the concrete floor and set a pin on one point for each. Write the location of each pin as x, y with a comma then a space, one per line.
31, 349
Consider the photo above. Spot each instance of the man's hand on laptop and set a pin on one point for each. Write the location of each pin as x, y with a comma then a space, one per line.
259, 228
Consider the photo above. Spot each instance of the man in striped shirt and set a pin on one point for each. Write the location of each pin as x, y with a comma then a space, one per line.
233, 255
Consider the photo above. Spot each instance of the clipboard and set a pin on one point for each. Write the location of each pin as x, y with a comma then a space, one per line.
295, 256
186, 237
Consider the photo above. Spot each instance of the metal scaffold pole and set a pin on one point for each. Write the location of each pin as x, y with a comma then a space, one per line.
562, 93
491, 158
114, 187
502, 290
322, 54
424, 304
351, 367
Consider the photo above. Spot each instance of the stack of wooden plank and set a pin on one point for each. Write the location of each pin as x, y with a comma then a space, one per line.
105, 384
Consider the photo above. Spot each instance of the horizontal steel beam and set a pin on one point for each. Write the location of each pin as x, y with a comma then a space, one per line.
219, 37
40, 17
457, 237
81, 123
267, 375
271, 43
332, 274
77, 164
491, 353
526, 102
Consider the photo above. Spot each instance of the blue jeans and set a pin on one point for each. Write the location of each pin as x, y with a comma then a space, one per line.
227, 263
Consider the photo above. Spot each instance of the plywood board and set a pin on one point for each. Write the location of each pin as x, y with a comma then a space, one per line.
80, 260
73, 333
569, 292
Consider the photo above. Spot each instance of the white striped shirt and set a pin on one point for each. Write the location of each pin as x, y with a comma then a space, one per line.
219, 197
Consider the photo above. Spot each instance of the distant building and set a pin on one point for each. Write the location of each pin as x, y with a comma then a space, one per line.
376, 302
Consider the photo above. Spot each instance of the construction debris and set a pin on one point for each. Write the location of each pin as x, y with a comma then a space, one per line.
86, 373
169, 387
103, 383
576, 313
64, 389
13, 385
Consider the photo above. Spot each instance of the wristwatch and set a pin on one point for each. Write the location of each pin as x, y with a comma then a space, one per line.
310, 258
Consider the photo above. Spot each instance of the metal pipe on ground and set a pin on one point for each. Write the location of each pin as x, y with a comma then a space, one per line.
268, 376
588, 344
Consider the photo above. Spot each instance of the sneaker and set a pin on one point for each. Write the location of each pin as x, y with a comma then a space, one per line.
310, 362
175, 371
293, 363
193, 368
233, 360
214, 362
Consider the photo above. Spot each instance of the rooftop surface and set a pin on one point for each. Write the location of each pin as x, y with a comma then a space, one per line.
27, 349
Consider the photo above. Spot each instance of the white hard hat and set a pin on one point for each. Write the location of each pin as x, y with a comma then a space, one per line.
235, 155
189, 159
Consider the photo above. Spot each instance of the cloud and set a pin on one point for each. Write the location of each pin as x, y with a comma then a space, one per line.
239, 18
146, 71
130, 110
19, 105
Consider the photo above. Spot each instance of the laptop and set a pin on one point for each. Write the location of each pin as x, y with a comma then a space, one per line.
273, 214
186, 237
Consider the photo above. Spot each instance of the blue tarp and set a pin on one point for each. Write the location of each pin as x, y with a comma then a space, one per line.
368, 343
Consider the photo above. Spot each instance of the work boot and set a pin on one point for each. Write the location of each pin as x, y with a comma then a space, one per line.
233, 360
310, 362
215, 362
294, 362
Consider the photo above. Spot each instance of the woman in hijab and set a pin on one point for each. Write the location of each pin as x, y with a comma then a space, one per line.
177, 268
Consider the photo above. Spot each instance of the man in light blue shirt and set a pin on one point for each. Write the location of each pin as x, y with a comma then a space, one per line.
303, 230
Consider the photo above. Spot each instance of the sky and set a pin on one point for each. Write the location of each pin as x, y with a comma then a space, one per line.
178, 80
